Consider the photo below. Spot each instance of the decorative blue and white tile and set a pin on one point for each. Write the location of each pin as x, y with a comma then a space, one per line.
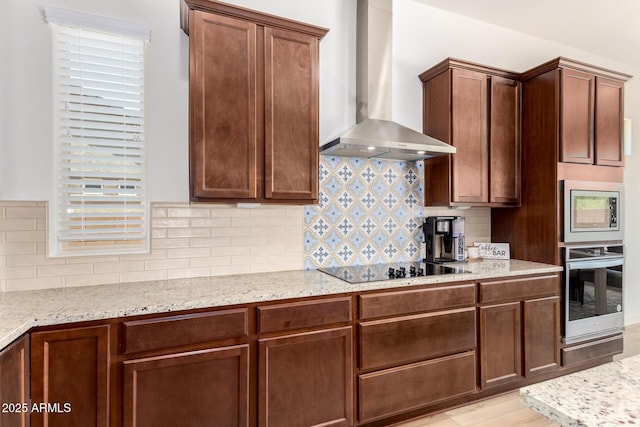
369, 212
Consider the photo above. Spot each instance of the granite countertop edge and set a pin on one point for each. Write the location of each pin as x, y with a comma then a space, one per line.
23, 310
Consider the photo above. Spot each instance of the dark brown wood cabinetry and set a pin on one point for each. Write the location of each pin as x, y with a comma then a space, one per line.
191, 388
572, 121
318, 361
14, 384
591, 115
424, 355
70, 370
477, 110
253, 105
519, 333
179, 384
306, 379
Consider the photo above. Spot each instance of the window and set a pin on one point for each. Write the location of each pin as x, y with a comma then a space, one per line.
99, 204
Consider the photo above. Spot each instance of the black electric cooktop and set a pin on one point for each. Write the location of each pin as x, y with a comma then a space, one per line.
400, 270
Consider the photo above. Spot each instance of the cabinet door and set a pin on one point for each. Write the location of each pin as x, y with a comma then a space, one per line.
70, 370
291, 115
14, 384
500, 344
541, 335
188, 389
222, 107
470, 137
609, 113
576, 116
504, 143
306, 379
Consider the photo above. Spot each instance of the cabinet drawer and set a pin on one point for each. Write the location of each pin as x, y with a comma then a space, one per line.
592, 350
308, 314
411, 338
412, 386
174, 331
519, 289
408, 302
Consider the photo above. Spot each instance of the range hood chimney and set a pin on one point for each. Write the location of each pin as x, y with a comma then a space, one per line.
375, 135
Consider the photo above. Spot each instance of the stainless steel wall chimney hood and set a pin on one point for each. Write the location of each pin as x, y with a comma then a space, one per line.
375, 135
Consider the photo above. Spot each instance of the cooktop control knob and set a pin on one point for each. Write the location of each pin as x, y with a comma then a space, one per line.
392, 272
412, 270
402, 272
421, 272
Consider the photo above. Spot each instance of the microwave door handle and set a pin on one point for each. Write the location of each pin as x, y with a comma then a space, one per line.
596, 263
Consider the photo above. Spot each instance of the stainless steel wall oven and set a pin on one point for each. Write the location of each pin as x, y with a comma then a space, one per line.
593, 291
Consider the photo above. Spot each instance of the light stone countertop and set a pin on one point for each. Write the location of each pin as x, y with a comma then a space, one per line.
20, 311
606, 395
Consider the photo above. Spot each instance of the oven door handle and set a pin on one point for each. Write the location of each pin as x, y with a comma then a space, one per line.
600, 263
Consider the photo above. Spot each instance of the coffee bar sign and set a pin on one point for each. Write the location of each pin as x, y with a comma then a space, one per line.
493, 250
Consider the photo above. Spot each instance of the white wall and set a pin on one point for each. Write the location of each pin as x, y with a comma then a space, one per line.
424, 36
26, 122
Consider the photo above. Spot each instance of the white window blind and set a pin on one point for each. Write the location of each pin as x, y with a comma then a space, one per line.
100, 156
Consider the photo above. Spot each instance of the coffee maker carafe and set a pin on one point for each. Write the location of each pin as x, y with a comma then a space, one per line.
444, 238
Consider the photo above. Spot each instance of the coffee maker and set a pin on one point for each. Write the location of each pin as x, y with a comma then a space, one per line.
444, 238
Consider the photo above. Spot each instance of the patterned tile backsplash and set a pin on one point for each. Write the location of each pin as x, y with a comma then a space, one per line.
369, 212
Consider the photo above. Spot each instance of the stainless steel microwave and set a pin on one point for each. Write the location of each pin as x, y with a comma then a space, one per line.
593, 211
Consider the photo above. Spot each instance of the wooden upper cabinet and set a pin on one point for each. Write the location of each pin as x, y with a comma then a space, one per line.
504, 142
588, 103
470, 164
291, 115
253, 105
477, 110
223, 107
576, 116
609, 114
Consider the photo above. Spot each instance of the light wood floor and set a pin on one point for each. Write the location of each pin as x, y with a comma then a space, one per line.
507, 410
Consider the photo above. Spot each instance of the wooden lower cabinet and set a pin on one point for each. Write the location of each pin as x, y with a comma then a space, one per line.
14, 384
306, 379
519, 339
197, 388
500, 344
396, 390
541, 334
70, 372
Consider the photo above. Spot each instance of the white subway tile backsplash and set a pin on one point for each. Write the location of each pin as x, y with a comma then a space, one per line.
63, 270
229, 232
34, 284
189, 252
118, 267
25, 236
18, 273
188, 212
210, 222
91, 279
211, 261
142, 276
17, 224
19, 212
166, 264
170, 223
189, 232
183, 273
169, 243
209, 242
18, 249
229, 212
